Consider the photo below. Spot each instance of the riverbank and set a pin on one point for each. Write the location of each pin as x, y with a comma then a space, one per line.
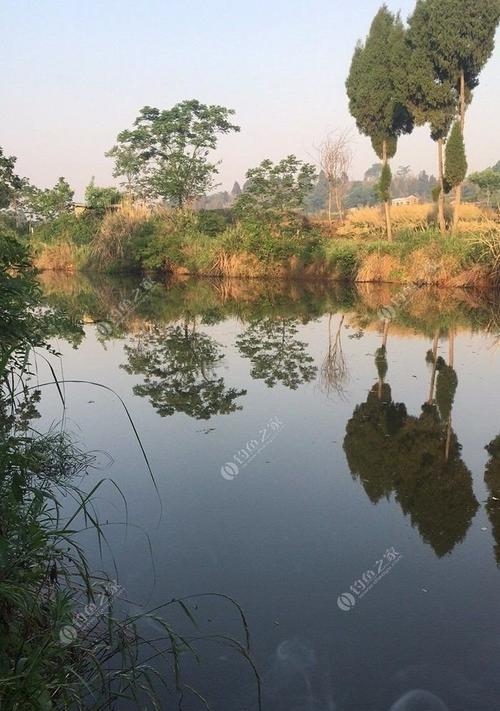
214, 244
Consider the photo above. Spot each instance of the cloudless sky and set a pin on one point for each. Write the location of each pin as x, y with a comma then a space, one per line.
76, 72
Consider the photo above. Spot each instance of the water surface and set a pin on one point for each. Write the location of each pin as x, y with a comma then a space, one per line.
326, 468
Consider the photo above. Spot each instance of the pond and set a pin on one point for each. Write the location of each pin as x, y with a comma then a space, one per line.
327, 456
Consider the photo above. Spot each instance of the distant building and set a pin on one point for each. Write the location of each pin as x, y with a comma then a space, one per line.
79, 207
410, 200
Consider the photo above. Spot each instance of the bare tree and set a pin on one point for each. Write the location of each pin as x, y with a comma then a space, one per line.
334, 371
335, 157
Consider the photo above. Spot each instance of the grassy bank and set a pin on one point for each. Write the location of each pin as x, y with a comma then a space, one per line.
214, 244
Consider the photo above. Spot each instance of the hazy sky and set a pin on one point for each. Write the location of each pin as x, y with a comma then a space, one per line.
76, 72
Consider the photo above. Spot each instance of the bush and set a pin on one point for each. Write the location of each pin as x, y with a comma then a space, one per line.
78, 229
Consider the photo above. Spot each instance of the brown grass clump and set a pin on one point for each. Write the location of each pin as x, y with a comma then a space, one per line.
242, 264
378, 268
57, 257
116, 230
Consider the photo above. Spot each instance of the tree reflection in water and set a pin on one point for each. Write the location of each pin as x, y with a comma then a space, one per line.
179, 365
276, 355
492, 479
418, 459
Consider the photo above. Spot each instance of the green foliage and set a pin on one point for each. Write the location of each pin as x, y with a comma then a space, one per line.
456, 161
375, 85
462, 33
384, 184
100, 199
488, 181
69, 227
275, 192
9, 181
49, 204
170, 148
214, 222
430, 96
129, 165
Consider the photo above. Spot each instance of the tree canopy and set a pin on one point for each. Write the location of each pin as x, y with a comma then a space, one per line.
172, 148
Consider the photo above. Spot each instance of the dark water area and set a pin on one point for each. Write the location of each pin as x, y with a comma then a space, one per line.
327, 456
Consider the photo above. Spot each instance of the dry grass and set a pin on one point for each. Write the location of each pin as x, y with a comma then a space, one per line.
378, 267
242, 264
116, 229
370, 221
57, 257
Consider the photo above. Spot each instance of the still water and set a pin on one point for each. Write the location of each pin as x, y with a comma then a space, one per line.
336, 473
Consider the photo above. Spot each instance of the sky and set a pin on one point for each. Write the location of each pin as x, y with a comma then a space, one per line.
75, 73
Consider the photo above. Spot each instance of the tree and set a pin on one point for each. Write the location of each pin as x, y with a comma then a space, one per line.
130, 165
456, 166
47, 204
101, 198
375, 88
173, 146
488, 181
335, 157
453, 40
430, 97
373, 174
9, 181
274, 192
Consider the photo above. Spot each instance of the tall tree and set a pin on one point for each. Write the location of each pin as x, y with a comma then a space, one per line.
456, 166
375, 88
458, 38
430, 97
174, 147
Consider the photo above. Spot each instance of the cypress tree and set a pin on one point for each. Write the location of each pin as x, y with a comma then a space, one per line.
430, 97
456, 165
458, 38
375, 87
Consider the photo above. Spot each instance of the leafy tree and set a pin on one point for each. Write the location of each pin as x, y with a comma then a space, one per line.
456, 165
361, 194
173, 147
179, 368
130, 165
276, 355
9, 181
375, 88
49, 204
101, 198
488, 181
274, 192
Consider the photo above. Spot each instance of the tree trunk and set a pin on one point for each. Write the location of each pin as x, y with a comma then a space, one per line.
387, 203
435, 346
458, 190
330, 204
441, 216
